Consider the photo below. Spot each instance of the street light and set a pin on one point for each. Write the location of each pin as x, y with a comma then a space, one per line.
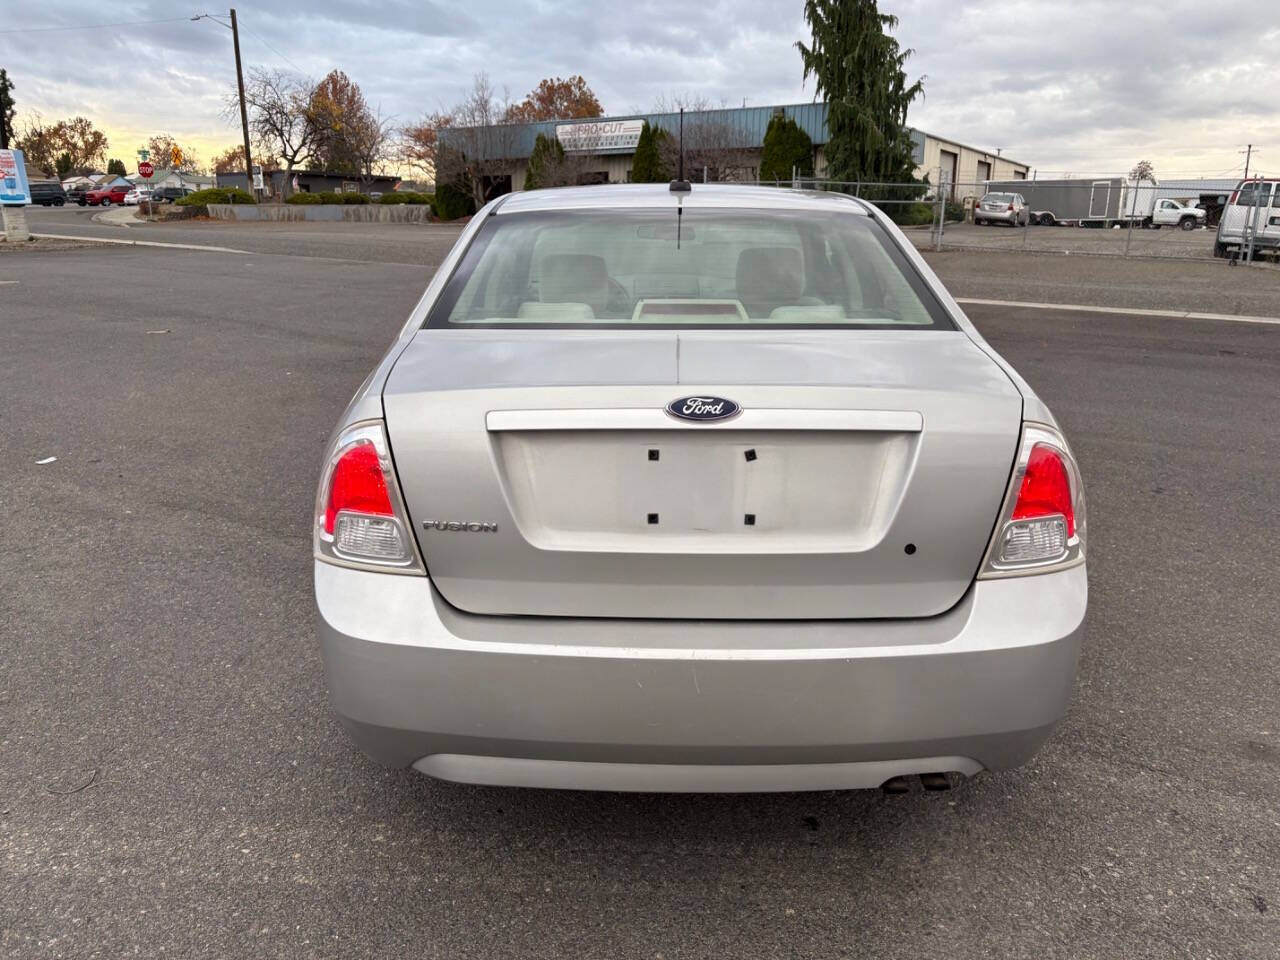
244, 114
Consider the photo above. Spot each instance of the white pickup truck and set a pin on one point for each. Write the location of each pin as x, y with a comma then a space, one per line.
1171, 213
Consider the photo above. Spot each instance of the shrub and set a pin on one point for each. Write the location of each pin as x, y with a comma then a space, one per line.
354, 198
647, 165
453, 202
305, 198
909, 214
786, 148
202, 198
547, 155
407, 196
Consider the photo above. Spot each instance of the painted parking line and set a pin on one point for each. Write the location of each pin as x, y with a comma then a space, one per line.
142, 243
1124, 311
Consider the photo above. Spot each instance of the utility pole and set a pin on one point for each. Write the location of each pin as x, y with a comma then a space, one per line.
1248, 155
244, 114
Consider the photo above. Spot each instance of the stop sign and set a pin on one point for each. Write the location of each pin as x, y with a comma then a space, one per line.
145, 169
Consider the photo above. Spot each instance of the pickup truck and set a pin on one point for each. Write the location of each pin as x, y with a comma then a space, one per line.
1171, 213
106, 196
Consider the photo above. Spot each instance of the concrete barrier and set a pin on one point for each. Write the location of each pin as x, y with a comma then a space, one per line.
351, 213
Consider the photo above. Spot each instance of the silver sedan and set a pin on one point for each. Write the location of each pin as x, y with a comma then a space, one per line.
1008, 208
702, 490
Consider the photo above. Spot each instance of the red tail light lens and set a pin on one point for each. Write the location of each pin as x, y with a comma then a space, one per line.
1046, 488
1042, 522
1011, 206
358, 485
360, 520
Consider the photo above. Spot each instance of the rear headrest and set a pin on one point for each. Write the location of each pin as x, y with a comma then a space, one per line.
769, 276
574, 278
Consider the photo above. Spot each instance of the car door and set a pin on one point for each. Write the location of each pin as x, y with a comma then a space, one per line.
1166, 212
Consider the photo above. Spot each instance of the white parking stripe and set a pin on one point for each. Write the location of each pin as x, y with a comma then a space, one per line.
141, 243
1126, 311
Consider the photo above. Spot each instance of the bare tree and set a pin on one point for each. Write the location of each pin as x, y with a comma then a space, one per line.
279, 116
476, 148
369, 138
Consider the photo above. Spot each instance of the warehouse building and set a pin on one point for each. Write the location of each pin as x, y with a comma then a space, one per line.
605, 146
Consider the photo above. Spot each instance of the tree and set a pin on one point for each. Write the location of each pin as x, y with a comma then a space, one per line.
420, 141
63, 165
6, 109
859, 70
647, 166
231, 160
556, 99
36, 140
281, 117
787, 150
369, 140
335, 108
476, 151
167, 152
1143, 170
84, 143
117, 168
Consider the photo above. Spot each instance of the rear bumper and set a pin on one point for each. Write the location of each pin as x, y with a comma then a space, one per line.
997, 216
697, 705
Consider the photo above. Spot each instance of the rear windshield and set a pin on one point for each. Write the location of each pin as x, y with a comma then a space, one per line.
704, 267
998, 197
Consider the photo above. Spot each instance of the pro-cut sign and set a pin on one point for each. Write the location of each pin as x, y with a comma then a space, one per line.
597, 135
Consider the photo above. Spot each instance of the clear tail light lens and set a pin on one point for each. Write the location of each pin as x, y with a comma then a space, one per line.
1042, 520
360, 520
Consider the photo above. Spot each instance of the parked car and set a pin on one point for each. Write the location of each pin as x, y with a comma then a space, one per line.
105, 196
77, 195
1008, 208
48, 193
170, 194
136, 196
704, 490
1171, 213
1253, 211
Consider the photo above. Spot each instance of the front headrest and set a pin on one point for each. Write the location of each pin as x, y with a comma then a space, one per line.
769, 275
574, 278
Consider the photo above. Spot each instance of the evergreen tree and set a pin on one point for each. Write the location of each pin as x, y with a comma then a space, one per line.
117, 167
6, 110
859, 72
63, 165
546, 157
647, 166
786, 148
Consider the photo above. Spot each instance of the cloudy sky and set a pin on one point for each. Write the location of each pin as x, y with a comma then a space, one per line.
1081, 87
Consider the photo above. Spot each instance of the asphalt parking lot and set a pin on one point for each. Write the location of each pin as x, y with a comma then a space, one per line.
172, 782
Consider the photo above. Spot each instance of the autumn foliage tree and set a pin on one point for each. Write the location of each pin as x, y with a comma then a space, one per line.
83, 144
556, 99
162, 148
336, 107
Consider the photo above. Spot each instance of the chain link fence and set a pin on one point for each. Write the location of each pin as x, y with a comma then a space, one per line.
1193, 219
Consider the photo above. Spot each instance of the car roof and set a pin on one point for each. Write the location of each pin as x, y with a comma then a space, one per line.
658, 195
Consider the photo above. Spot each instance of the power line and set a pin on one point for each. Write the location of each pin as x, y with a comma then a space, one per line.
269, 46
96, 26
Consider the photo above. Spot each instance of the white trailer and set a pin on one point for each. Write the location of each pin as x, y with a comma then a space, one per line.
1086, 202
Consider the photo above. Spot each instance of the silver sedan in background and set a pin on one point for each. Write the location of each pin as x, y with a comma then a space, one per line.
696, 490
1008, 208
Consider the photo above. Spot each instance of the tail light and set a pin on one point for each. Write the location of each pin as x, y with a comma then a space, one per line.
360, 520
1042, 520
1011, 207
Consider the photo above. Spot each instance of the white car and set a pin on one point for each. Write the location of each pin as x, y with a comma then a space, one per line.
136, 196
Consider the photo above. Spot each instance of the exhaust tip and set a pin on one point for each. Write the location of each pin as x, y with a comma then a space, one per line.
896, 785
935, 781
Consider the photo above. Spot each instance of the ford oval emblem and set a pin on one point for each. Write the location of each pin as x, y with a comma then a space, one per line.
703, 409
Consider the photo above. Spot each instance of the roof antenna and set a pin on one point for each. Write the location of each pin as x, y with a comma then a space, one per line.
680, 184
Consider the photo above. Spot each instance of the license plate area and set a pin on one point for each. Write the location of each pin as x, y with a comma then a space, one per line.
695, 491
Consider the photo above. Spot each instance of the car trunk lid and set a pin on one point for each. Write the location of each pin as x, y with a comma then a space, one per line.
543, 476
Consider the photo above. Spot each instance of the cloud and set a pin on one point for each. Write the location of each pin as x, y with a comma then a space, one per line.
1090, 86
